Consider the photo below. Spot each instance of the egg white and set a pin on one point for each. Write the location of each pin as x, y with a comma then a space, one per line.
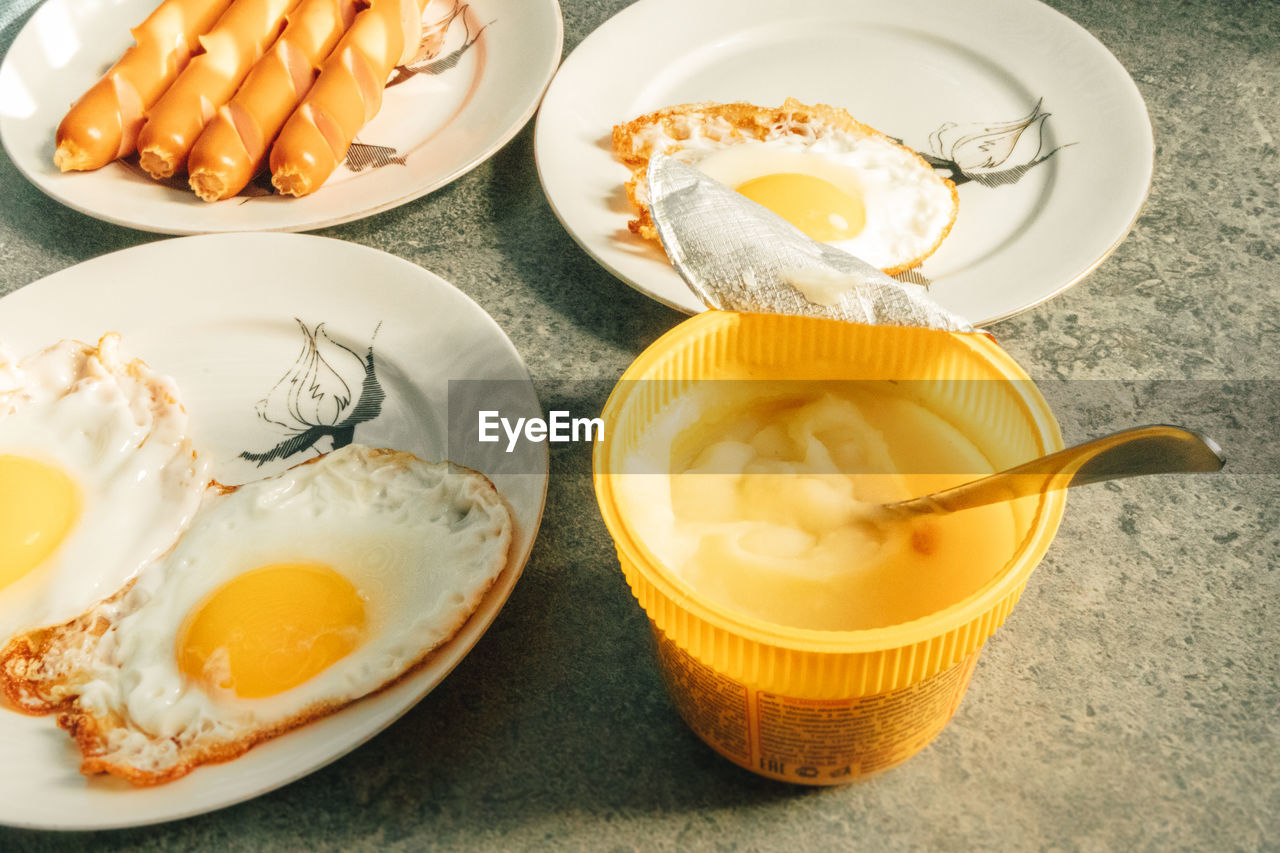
909, 208
420, 541
119, 432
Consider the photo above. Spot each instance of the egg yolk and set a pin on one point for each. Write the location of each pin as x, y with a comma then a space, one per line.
817, 207
272, 628
38, 506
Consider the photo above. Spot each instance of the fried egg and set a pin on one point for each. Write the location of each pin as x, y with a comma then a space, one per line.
287, 599
98, 477
837, 180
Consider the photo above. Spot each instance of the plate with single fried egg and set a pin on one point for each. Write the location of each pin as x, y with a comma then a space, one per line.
993, 154
244, 520
209, 116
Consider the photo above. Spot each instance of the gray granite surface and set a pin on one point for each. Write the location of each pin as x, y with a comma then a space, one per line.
1132, 701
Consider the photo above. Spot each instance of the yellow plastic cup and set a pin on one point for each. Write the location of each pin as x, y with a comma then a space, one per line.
824, 707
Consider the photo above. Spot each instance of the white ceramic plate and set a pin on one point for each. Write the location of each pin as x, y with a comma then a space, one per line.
222, 314
956, 81
440, 124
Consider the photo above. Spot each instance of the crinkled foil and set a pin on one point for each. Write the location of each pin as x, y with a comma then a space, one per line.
738, 256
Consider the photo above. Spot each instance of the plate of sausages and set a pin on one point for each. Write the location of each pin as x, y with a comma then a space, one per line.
198, 116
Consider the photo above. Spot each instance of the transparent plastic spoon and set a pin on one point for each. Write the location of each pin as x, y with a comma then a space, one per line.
1156, 449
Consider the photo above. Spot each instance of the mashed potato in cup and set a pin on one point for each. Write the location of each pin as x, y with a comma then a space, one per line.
772, 509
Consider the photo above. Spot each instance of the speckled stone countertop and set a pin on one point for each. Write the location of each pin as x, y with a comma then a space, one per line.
1132, 700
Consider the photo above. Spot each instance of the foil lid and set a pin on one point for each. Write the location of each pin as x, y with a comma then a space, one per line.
738, 256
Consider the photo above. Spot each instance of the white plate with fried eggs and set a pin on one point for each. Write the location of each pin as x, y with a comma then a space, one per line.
1043, 131
240, 323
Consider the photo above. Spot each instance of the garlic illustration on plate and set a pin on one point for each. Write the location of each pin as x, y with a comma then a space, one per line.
431, 59
991, 153
328, 391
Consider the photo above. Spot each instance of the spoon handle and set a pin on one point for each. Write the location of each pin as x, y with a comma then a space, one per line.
1156, 449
